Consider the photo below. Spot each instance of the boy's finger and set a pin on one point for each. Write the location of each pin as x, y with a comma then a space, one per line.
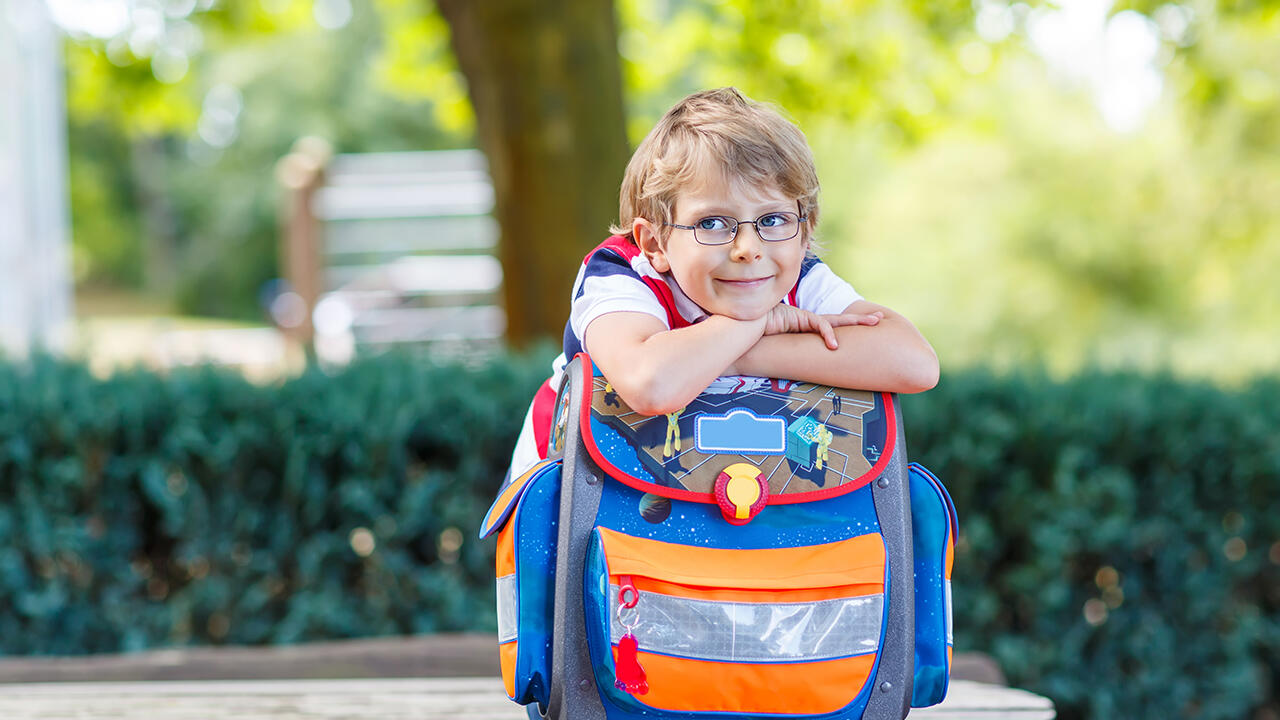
855, 319
826, 331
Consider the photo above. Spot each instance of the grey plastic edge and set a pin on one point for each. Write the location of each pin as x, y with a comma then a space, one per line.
573, 688
891, 689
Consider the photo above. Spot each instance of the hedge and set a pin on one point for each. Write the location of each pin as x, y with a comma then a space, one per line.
1121, 537
1120, 546
193, 508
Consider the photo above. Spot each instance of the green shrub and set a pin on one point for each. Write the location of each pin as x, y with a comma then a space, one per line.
1121, 537
1120, 546
141, 511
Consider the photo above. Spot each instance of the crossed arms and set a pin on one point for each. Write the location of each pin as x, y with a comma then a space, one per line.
657, 370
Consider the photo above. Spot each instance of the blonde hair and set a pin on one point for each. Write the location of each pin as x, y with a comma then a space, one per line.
721, 131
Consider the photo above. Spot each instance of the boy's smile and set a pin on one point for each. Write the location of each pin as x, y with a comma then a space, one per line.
742, 279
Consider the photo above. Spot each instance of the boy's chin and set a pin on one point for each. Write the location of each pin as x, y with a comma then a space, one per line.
745, 314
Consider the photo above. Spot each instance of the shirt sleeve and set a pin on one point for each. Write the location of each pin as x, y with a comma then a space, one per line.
607, 283
821, 291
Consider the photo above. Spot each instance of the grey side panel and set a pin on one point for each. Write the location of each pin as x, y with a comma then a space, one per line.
891, 691
573, 689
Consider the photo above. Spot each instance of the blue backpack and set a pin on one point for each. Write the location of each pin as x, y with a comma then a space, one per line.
766, 551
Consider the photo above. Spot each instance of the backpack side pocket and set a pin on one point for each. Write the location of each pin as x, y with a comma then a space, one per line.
933, 531
525, 565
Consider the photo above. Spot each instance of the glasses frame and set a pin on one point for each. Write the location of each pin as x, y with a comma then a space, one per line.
733, 231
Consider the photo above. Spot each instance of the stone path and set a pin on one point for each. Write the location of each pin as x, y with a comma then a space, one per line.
426, 677
421, 656
390, 699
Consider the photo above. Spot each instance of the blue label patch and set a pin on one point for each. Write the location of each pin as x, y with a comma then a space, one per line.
741, 431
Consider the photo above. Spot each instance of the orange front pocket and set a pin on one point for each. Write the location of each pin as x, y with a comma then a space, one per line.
681, 684
779, 630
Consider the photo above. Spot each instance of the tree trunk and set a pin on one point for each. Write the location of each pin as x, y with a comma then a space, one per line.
544, 79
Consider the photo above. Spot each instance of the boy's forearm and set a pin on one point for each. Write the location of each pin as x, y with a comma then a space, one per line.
891, 356
670, 368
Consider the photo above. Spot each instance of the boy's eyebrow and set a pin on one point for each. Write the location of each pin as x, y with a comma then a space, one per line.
705, 210
702, 211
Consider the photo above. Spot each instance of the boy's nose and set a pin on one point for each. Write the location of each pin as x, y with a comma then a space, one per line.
746, 246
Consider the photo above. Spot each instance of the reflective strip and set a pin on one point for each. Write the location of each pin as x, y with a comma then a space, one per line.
507, 612
754, 632
946, 588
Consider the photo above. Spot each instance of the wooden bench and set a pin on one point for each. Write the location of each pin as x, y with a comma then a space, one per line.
382, 249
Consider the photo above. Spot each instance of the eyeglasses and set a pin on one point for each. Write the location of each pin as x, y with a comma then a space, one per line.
721, 230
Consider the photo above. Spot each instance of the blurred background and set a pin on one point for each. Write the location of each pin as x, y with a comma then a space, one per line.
1082, 182
1077, 202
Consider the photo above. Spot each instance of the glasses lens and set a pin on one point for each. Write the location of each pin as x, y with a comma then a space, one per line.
714, 230
778, 226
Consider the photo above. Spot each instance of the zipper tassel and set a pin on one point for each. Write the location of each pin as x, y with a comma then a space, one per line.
630, 676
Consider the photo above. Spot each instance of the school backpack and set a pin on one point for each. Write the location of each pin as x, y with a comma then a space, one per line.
767, 551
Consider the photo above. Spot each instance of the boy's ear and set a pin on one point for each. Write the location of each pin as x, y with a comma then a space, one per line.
649, 242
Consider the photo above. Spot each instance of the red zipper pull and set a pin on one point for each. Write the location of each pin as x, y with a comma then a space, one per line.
630, 676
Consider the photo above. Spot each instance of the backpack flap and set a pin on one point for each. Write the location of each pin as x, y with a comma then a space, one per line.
934, 531
806, 441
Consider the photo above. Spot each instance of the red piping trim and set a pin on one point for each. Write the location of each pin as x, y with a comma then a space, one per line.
891, 441
659, 288
628, 251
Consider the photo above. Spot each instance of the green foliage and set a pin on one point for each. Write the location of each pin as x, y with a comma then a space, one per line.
971, 187
829, 63
106, 249
142, 511
1119, 551
1055, 238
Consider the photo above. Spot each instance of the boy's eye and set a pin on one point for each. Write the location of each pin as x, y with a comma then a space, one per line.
713, 223
774, 220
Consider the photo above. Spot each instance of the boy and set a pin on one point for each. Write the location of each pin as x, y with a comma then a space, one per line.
711, 273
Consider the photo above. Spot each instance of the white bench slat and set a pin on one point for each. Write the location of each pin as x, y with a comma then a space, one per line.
421, 275
364, 201
403, 236
432, 162
397, 325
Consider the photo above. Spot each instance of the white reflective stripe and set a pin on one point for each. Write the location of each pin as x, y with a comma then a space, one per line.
507, 608
946, 587
731, 631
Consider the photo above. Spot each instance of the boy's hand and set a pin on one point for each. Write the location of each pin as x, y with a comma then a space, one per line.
788, 319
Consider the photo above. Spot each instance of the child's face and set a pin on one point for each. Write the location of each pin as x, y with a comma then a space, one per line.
742, 279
